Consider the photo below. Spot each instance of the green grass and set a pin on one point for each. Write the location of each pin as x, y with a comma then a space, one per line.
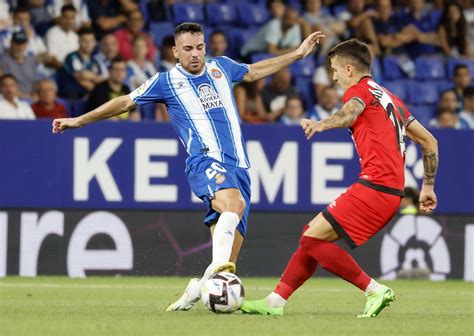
136, 306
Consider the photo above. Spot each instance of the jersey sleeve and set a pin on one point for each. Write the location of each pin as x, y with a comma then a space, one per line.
406, 113
149, 92
357, 92
233, 69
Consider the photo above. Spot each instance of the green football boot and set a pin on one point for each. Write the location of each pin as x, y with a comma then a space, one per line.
377, 301
260, 307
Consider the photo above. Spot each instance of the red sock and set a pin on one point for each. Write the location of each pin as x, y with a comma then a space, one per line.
300, 267
335, 260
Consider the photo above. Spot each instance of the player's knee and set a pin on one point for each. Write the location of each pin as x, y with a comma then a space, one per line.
237, 206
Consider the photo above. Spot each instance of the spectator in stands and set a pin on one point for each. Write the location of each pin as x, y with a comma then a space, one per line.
276, 8
10, 106
80, 72
293, 111
109, 50
22, 22
133, 29
322, 78
47, 105
139, 68
447, 119
327, 104
19, 64
418, 26
325, 22
467, 115
40, 16
448, 101
462, 79
274, 93
82, 17
409, 203
277, 37
217, 44
62, 39
168, 60
452, 30
358, 19
387, 25
111, 88
109, 15
249, 101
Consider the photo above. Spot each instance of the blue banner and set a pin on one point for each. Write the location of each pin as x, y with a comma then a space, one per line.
126, 165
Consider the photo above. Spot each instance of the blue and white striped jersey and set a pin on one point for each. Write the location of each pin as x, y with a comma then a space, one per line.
202, 109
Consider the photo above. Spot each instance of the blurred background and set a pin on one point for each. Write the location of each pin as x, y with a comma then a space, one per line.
113, 198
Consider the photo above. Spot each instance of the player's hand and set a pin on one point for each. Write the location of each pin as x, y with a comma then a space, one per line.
427, 200
307, 46
310, 127
59, 125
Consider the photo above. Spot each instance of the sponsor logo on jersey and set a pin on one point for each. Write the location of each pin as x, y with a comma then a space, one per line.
209, 98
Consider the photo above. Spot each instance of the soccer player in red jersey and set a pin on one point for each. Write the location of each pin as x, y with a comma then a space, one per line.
378, 122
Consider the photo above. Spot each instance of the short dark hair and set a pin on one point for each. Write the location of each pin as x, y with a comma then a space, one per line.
68, 8
459, 67
20, 9
355, 50
188, 27
218, 32
468, 92
168, 41
115, 60
6, 76
85, 31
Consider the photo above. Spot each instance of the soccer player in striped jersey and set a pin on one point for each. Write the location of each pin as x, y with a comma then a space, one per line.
202, 110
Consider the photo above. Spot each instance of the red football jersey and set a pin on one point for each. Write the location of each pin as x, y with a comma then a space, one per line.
378, 134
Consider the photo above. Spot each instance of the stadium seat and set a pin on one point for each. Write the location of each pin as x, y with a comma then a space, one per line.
220, 14
237, 37
398, 88
430, 67
159, 30
79, 107
260, 57
376, 70
422, 113
391, 69
304, 86
423, 93
303, 68
66, 104
251, 15
187, 12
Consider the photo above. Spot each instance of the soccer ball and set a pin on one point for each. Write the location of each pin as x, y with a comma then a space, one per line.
222, 293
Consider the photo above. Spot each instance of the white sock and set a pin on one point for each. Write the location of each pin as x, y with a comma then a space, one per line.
274, 300
222, 241
372, 287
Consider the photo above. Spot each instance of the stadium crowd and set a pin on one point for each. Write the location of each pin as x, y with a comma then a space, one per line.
62, 58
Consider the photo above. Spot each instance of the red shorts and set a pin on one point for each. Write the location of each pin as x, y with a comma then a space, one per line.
360, 212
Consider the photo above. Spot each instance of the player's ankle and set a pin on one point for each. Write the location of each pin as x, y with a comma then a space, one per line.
372, 287
274, 300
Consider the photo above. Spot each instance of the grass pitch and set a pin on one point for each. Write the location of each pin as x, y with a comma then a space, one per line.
136, 306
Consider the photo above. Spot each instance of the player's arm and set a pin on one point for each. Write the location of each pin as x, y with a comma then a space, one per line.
270, 66
429, 149
110, 109
345, 117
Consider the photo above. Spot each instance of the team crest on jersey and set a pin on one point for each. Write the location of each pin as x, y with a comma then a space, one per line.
216, 73
209, 98
220, 178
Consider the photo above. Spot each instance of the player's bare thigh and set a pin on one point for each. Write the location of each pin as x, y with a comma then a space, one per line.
229, 200
320, 228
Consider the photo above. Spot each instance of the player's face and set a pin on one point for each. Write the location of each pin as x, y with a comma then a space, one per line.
190, 50
341, 72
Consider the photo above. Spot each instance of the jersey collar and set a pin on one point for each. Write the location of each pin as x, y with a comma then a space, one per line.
184, 72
